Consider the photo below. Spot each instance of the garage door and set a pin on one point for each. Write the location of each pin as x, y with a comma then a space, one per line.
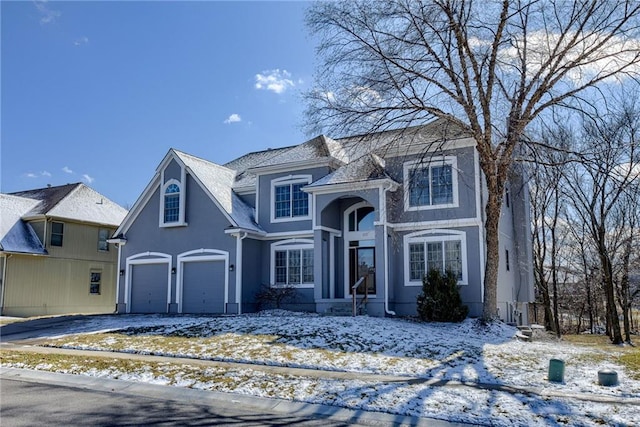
203, 286
149, 288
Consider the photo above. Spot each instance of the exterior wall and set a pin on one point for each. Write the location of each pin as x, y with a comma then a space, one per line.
59, 283
40, 285
265, 203
404, 297
252, 273
204, 230
466, 170
38, 227
80, 241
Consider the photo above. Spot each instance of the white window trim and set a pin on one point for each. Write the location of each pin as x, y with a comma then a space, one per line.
427, 236
435, 161
291, 179
355, 235
181, 215
287, 245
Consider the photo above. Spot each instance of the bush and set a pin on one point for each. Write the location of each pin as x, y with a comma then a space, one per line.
440, 299
274, 296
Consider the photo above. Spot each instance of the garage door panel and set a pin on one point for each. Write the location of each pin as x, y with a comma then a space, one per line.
149, 288
203, 284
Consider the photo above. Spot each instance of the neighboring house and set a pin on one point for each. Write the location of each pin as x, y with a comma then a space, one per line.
54, 254
203, 238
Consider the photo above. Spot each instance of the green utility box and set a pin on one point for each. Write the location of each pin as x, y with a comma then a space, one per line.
556, 370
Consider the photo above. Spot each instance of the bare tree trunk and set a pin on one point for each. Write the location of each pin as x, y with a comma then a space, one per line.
492, 210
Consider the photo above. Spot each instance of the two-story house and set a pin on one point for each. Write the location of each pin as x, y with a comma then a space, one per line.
377, 211
54, 254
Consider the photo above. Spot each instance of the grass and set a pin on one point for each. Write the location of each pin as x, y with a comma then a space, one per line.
627, 356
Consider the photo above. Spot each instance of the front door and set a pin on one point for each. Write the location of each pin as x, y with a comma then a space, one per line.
362, 264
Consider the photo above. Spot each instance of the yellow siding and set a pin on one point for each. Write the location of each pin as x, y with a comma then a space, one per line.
37, 285
80, 241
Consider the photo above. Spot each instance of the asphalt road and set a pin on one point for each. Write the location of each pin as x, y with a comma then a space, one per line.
25, 403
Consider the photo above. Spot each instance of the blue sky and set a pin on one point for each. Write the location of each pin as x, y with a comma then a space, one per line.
99, 91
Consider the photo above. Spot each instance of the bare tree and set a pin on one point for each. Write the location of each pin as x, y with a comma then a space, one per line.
493, 65
599, 186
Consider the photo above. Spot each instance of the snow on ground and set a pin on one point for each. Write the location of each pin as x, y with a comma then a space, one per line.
461, 352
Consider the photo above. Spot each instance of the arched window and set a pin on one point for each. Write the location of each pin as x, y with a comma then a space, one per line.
362, 219
172, 203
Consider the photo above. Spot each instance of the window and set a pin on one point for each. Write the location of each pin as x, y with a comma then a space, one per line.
443, 250
289, 201
506, 258
506, 196
103, 235
57, 232
94, 284
172, 203
294, 266
292, 263
362, 219
431, 185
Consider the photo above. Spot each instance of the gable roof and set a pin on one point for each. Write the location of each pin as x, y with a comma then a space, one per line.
218, 181
367, 168
15, 234
75, 202
318, 148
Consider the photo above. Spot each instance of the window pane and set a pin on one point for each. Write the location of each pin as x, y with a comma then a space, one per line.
300, 200
434, 256
453, 257
57, 232
416, 261
103, 235
307, 266
173, 188
281, 267
171, 207
365, 219
283, 201
294, 266
94, 285
419, 187
441, 185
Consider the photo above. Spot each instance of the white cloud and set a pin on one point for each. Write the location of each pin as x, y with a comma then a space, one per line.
47, 16
88, 179
234, 118
84, 40
274, 80
30, 175
66, 170
45, 173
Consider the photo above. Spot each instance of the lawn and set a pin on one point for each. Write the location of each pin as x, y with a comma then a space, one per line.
466, 352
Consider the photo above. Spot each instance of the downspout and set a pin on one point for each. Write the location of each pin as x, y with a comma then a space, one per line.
240, 237
386, 252
118, 276
5, 258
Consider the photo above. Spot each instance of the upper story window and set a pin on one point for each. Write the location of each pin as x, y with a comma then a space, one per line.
172, 204
57, 233
289, 202
103, 235
432, 184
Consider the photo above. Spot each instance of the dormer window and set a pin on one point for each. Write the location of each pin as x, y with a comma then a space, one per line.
172, 204
289, 202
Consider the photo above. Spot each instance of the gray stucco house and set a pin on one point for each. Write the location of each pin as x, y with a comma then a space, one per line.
319, 216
